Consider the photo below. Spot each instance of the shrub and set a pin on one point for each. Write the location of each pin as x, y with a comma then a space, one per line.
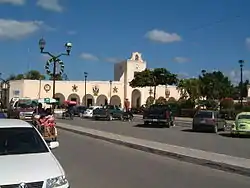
186, 104
161, 100
227, 103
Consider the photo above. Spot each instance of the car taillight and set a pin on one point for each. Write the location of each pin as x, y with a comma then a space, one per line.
167, 114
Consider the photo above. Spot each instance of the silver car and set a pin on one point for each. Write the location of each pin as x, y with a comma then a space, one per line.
205, 120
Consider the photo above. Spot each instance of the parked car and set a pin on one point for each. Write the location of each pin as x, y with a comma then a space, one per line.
79, 110
158, 114
108, 112
242, 124
88, 113
27, 157
208, 120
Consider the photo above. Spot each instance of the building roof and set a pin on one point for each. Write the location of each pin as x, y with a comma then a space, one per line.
11, 123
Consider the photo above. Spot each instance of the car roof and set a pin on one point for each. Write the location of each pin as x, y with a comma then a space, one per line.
244, 113
14, 123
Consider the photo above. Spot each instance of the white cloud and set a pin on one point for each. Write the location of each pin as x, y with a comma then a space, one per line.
88, 56
112, 60
51, 5
234, 75
162, 36
248, 43
181, 59
13, 2
13, 29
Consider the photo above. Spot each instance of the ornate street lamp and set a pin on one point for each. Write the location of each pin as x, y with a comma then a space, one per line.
85, 86
5, 86
54, 58
110, 90
241, 62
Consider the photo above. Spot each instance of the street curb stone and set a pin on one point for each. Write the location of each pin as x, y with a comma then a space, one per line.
213, 160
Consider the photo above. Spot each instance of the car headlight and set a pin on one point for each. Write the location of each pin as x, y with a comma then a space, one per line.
21, 114
56, 182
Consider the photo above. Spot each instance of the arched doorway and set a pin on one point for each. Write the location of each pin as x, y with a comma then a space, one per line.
74, 97
115, 100
101, 100
60, 98
136, 98
88, 100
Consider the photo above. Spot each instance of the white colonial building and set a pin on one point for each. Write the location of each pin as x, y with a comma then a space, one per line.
97, 92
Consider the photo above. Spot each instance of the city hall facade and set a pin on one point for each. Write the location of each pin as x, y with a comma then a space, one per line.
97, 92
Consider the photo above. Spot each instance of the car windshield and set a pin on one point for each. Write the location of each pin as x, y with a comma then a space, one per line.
14, 141
244, 116
204, 114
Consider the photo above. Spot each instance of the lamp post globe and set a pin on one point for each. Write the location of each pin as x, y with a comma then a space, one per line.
42, 44
68, 47
4, 85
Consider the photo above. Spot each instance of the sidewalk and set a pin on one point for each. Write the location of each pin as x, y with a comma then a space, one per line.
213, 160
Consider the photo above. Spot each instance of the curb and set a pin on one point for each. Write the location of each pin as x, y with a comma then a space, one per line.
214, 164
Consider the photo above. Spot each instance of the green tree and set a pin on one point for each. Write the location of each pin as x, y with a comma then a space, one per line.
215, 85
30, 75
189, 88
236, 94
58, 77
34, 75
153, 78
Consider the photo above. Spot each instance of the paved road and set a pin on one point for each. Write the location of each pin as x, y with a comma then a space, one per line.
179, 135
93, 163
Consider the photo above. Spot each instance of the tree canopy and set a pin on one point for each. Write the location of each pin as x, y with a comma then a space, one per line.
31, 75
215, 85
35, 75
153, 78
211, 85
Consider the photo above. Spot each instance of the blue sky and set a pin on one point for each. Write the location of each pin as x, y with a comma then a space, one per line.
184, 36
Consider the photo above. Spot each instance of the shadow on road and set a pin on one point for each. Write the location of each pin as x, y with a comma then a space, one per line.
229, 135
150, 126
192, 131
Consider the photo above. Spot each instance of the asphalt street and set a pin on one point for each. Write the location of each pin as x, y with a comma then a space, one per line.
179, 135
94, 163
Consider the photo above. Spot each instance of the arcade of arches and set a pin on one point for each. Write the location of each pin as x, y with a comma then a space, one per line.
89, 100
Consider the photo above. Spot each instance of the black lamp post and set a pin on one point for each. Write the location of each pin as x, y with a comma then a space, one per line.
55, 58
241, 62
5, 86
85, 86
110, 91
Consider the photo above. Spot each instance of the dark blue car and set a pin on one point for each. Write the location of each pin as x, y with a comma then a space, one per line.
2, 115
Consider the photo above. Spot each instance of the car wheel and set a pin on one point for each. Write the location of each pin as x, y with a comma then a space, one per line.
110, 118
215, 129
168, 124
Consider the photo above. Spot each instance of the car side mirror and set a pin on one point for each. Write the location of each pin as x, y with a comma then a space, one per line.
53, 145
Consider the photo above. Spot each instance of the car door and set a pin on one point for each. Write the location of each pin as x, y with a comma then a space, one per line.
116, 113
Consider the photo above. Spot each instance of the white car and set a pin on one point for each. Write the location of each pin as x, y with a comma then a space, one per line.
26, 159
89, 112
